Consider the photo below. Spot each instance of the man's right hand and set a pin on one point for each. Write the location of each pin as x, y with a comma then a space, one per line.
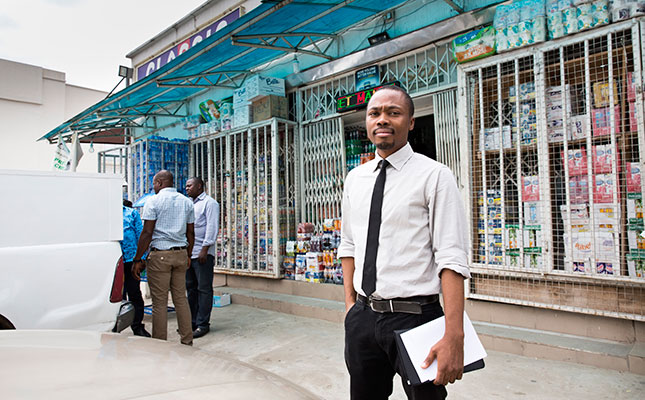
348, 306
137, 267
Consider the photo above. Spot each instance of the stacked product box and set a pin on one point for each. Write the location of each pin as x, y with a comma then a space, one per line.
519, 24
532, 240
314, 258
556, 108
491, 138
582, 242
490, 208
565, 17
524, 121
260, 94
635, 227
631, 98
153, 154
625, 9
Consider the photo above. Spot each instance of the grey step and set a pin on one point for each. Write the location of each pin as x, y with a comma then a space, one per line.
515, 340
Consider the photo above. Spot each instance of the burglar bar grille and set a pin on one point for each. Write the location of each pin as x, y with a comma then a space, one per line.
556, 140
251, 173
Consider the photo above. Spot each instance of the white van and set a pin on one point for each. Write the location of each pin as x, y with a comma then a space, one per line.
60, 258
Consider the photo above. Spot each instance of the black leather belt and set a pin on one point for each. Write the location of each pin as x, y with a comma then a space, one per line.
409, 305
170, 249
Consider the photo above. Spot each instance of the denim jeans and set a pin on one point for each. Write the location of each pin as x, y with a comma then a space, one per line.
199, 285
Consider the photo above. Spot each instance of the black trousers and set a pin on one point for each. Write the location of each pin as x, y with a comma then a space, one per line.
132, 288
372, 357
199, 285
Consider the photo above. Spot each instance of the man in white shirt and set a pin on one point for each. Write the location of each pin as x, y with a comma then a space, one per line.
168, 228
404, 240
199, 277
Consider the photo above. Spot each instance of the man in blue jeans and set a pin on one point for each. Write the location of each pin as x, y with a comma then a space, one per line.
199, 277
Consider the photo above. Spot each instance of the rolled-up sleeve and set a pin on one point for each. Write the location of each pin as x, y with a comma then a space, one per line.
149, 212
346, 247
449, 227
212, 223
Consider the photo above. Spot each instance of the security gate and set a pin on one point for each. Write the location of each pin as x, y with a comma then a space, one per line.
446, 132
322, 156
250, 172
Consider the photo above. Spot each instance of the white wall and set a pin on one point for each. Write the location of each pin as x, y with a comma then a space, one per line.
33, 101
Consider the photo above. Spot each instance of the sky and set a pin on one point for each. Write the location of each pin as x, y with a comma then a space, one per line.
85, 39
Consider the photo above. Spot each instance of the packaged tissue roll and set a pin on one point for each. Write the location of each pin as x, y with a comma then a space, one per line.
474, 45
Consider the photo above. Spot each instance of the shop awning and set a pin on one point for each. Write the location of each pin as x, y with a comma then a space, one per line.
224, 60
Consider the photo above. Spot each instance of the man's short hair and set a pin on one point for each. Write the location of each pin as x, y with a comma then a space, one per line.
198, 180
127, 203
406, 96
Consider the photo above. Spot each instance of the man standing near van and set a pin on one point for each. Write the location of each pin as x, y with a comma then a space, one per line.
199, 277
131, 231
168, 229
401, 244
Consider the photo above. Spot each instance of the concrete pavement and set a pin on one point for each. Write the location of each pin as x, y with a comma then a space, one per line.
309, 352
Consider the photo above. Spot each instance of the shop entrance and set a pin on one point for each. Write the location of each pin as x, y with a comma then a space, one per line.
422, 137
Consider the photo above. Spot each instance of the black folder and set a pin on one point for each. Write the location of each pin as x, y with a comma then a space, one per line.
410, 373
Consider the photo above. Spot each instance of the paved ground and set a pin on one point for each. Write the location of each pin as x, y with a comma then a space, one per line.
309, 352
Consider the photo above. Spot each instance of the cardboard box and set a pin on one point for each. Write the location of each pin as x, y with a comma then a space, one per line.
606, 214
601, 121
633, 177
636, 268
601, 94
576, 160
532, 237
603, 188
530, 188
222, 301
242, 116
633, 120
269, 107
634, 208
579, 214
631, 86
579, 127
240, 97
532, 213
603, 158
578, 189
259, 86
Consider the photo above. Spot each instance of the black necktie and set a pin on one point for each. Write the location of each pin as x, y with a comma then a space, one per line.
373, 229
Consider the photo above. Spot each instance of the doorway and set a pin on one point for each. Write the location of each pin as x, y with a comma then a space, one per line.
422, 137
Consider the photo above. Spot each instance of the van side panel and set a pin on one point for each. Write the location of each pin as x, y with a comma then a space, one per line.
74, 282
41, 208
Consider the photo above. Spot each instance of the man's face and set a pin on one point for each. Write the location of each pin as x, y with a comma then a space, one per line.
192, 188
388, 121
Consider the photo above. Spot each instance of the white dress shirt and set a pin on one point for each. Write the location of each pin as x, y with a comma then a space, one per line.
171, 211
423, 225
206, 223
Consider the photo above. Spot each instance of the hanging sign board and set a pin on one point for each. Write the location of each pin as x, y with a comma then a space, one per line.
367, 77
358, 99
172, 53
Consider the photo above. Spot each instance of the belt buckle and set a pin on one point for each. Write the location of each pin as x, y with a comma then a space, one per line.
371, 301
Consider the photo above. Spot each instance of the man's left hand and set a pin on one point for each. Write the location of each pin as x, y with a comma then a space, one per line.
203, 255
449, 353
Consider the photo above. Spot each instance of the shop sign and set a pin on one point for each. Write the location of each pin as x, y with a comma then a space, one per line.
172, 53
367, 77
358, 99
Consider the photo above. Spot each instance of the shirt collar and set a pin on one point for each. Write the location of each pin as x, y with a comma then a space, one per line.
397, 159
200, 197
168, 189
